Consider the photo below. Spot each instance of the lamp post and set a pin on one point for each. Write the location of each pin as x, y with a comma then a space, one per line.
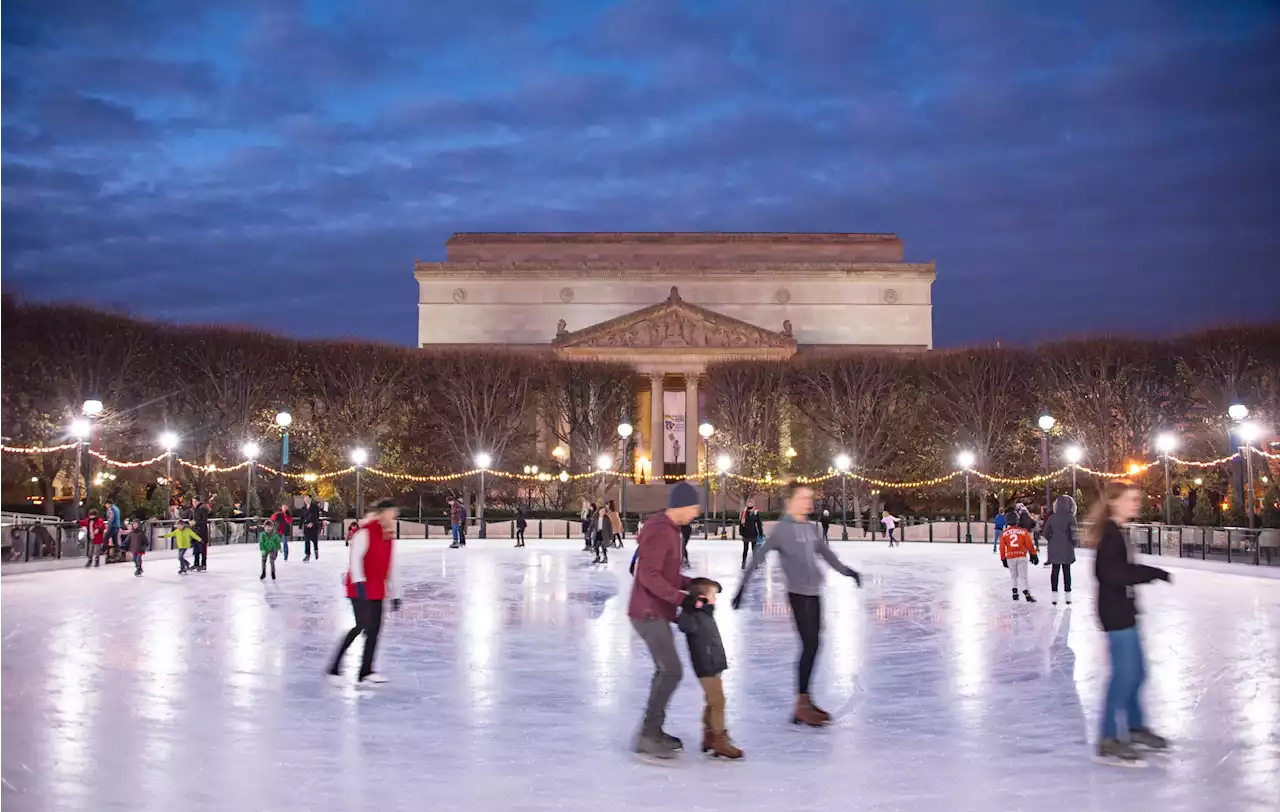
168, 441
80, 429
91, 409
359, 457
483, 461
624, 431
1074, 454
966, 460
705, 431
723, 464
251, 451
842, 465
1237, 412
1248, 433
1046, 423
1165, 444
283, 421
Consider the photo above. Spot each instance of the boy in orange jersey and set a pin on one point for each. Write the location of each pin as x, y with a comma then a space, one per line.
1016, 546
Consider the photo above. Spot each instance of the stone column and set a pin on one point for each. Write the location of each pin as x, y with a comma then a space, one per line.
691, 437
655, 424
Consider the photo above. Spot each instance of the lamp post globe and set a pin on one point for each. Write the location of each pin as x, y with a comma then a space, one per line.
284, 419
1165, 443
1073, 454
1046, 422
842, 465
483, 461
91, 408
625, 430
706, 430
1237, 411
604, 462
966, 459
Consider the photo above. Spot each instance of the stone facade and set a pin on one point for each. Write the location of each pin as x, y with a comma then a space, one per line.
836, 290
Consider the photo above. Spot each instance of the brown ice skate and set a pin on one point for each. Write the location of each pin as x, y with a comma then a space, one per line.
708, 740
806, 714
723, 747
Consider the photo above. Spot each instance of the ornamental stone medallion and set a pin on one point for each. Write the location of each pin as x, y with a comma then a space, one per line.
782, 296
891, 296
566, 295
459, 295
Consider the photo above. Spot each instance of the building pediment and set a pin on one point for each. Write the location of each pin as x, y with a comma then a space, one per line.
675, 327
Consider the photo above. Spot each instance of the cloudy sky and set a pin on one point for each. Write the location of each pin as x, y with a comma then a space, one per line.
1071, 166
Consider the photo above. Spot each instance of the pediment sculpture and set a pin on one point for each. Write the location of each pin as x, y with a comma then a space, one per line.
676, 329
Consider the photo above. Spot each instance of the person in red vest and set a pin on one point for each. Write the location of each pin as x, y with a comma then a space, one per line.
370, 580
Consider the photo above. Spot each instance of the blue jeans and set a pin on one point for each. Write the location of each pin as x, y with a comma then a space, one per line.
1128, 672
455, 533
284, 547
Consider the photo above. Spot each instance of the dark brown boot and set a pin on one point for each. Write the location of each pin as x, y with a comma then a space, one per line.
708, 740
826, 717
806, 714
722, 747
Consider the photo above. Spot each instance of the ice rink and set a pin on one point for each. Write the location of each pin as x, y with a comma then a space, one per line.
517, 683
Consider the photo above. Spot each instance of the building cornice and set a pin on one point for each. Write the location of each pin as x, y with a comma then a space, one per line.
666, 237
672, 271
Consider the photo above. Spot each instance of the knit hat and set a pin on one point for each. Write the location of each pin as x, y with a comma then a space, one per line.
682, 495
385, 504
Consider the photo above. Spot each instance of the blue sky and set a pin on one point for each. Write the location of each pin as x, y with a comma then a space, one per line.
1071, 166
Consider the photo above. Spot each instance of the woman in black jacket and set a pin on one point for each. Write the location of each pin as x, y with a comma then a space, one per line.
752, 530
1060, 538
1117, 576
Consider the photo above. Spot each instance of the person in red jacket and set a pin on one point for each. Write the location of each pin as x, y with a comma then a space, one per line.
1016, 546
97, 532
370, 580
659, 590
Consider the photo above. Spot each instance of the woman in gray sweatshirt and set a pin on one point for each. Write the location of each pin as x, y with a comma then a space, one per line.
799, 542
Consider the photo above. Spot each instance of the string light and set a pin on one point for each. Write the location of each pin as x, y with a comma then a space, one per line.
12, 449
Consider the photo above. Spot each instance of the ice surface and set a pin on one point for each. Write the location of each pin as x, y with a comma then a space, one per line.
517, 684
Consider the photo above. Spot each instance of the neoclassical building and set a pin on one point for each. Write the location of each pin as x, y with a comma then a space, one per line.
669, 304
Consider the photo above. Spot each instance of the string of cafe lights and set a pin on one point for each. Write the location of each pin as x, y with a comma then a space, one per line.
532, 475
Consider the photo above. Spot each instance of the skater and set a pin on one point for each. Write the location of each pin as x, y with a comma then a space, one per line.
706, 654
136, 541
96, 530
890, 522
455, 521
282, 521
588, 525
752, 530
686, 533
269, 546
798, 543
1118, 613
310, 520
200, 546
182, 536
615, 526
351, 531
1016, 546
659, 589
521, 524
826, 523
370, 580
1060, 545
111, 515
600, 542
1000, 524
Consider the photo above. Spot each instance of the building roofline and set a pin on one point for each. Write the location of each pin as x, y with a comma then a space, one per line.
665, 237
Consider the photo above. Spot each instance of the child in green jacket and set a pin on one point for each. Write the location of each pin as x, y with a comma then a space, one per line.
269, 544
182, 536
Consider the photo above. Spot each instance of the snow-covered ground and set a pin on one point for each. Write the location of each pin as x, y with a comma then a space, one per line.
517, 684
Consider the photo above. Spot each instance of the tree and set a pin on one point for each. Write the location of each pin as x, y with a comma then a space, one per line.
1271, 506
1203, 514
747, 407
482, 402
585, 402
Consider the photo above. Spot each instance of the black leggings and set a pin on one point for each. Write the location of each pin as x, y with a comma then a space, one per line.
807, 611
369, 622
1066, 577
748, 547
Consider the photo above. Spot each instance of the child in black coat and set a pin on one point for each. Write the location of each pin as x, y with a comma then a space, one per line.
706, 653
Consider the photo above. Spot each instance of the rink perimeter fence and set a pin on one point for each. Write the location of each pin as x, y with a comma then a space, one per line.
33, 538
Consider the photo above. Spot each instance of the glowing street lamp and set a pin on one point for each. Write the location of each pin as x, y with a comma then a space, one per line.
80, 429
1248, 433
625, 431
966, 459
168, 441
1074, 454
251, 450
1046, 423
483, 461
91, 408
1237, 411
604, 462
723, 463
359, 457
842, 465
705, 431
283, 421
1165, 443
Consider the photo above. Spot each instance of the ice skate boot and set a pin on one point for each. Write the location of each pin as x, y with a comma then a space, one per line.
1143, 736
708, 740
806, 714
1054, 598
263, 576
1068, 599
1114, 751
672, 741
1026, 593
653, 748
1015, 593
722, 747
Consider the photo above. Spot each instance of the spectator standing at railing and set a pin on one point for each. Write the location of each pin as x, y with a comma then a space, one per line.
96, 531
310, 519
282, 520
200, 549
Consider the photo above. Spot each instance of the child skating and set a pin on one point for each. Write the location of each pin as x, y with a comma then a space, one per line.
1016, 547
706, 653
136, 542
182, 537
269, 546
96, 529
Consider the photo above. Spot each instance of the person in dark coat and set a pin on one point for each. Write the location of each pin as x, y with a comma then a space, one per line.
752, 530
310, 519
136, 541
1118, 613
1060, 533
706, 654
283, 521
200, 523
522, 524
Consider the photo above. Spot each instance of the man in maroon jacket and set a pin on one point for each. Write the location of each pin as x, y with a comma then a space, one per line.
659, 590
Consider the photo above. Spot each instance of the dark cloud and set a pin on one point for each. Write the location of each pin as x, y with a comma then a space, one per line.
1070, 167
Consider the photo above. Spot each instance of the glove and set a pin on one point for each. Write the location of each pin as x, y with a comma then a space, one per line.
361, 592
1035, 560
857, 578
1005, 561
1165, 576
736, 603
395, 604
691, 602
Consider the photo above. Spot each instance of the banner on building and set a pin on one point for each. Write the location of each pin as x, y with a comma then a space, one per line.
673, 427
